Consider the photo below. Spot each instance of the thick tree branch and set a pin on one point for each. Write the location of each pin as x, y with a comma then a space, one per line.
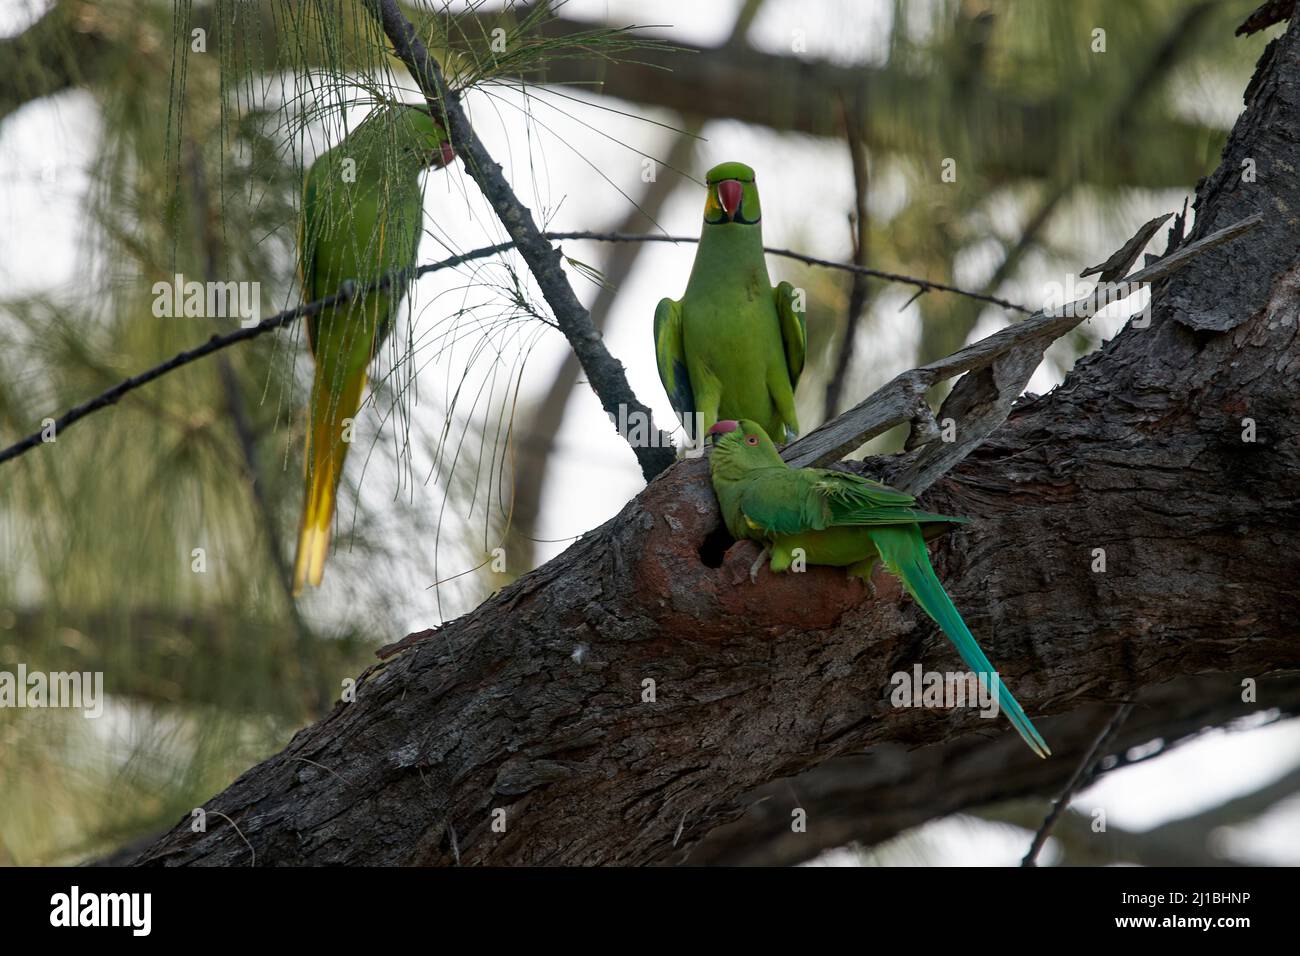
1014, 135
66, 46
870, 797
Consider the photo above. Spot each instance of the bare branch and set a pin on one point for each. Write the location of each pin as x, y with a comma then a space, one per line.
215, 344
1010, 356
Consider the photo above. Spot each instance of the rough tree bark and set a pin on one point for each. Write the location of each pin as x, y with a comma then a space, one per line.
533, 703
867, 798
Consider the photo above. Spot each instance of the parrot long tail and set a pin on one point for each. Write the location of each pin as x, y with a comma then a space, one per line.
902, 549
324, 467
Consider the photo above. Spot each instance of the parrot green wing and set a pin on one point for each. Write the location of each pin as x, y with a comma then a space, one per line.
860, 502
789, 501
784, 501
794, 331
670, 356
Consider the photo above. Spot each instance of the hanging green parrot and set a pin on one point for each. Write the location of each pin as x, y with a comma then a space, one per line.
361, 219
842, 520
732, 346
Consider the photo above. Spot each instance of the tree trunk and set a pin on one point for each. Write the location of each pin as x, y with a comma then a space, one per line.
535, 711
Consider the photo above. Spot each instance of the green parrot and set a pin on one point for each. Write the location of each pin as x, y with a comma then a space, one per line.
362, 213
842, 520
732, 346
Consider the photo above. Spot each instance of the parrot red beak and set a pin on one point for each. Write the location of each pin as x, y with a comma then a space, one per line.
444, 157
723, 427
729, 193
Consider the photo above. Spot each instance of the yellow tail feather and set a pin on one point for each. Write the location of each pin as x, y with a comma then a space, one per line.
324, 467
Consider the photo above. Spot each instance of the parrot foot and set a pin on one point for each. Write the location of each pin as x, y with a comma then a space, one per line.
862, 571
758, 563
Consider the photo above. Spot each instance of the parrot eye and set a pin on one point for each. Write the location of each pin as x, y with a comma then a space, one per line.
751, 440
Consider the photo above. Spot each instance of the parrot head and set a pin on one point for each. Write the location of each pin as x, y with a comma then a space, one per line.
428, 138
408, 134
732, 196
740, 447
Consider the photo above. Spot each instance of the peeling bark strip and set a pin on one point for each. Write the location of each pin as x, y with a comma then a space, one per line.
497, 718
1000, 365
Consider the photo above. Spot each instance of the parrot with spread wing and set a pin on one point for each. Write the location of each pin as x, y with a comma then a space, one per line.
843, 520
733, 346
362, 212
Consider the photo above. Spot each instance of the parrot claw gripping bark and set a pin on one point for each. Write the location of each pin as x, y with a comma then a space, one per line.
733, 346
844, 520
362, 212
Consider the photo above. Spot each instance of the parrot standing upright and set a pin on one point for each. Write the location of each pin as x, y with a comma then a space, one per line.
842, 520
362, 212
733, 346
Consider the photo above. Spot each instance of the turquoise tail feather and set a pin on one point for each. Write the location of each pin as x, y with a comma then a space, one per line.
902, 549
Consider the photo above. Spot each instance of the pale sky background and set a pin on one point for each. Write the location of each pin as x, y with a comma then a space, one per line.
806, 187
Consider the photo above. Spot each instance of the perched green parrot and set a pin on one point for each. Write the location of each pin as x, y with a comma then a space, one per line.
732, 346
361, 219
842, 520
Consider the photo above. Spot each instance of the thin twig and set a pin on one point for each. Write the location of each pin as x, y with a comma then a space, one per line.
1082, 772
861, 233
215, 344
923, 285
1038, 325
289, 316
